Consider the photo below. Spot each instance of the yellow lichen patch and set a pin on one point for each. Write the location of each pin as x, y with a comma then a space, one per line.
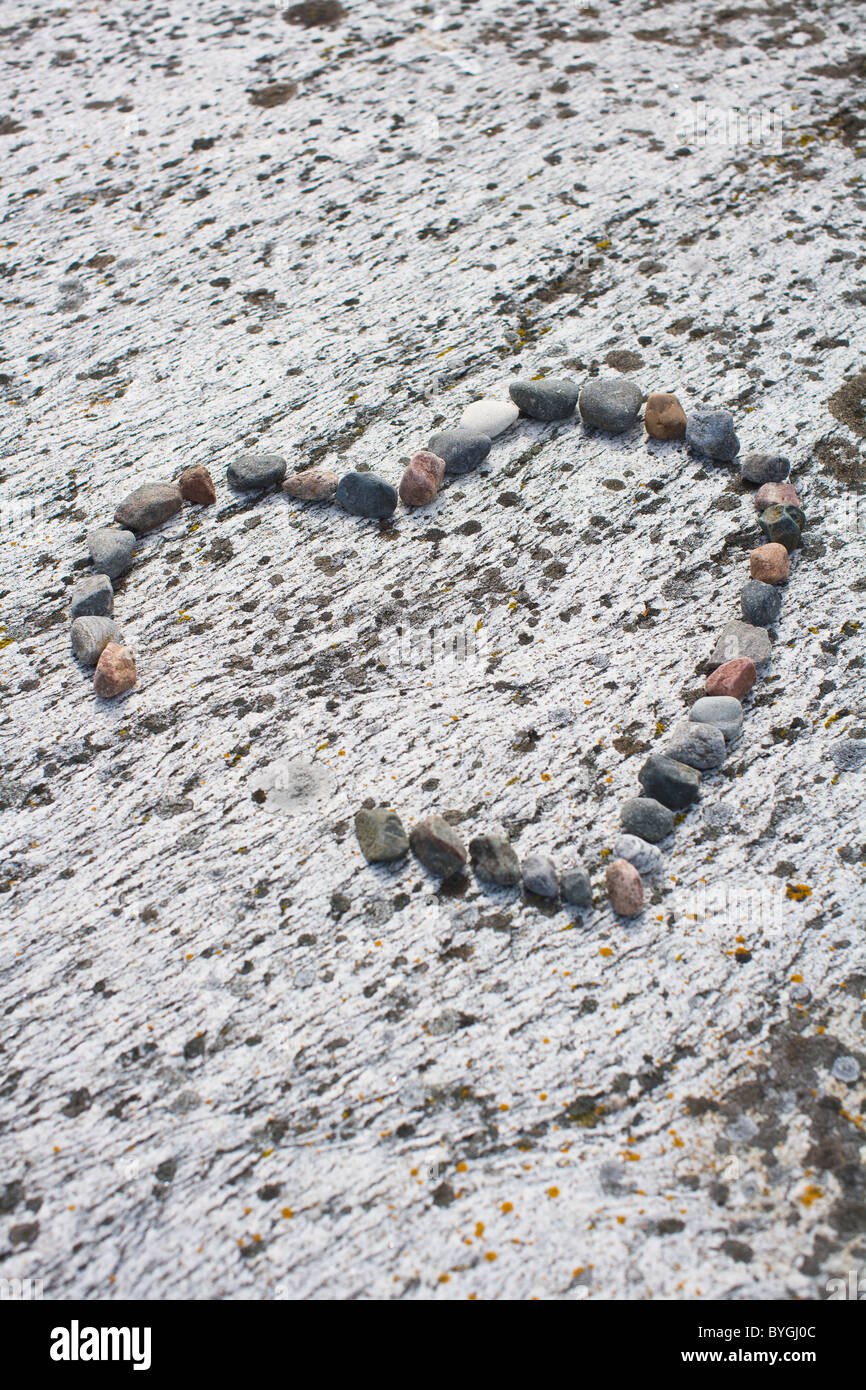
798, 892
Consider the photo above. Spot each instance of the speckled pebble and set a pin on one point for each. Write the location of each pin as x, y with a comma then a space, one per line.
609, 403
463, 450
438, 846
723, 711
381, 835
710, 433
494, 859
252, 472
647, 818
90, 636
422, 479
311, 485
739, 639
91, 596
764, 468
548, 399
770, 563
540, 876
624, 888
760, 603
674, 784
697, 745
489, 417
646, 858
149, 506
115, 671
111, 550
366, 494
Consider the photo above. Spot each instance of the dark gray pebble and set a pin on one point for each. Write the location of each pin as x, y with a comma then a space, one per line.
647, 818
462, 449
710, 433
760, 603
438, 846
149, 506
610, 403
494, 859
111, 550
764, 468
575, 887
90, 636
92, 596
251, 472
548, 399
366, 494
540, 876
780, 523
673, 784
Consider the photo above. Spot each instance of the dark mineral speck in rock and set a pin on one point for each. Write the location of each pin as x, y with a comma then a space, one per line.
609, 403
366, 494
494, 859
764, 468
575, 886
540, 876
710, 434
462, 449
252, 472
674, 784
548, 399
647, 818
111, 550
90, 636
760, 603
381, 835
149, 506
438, 846
91, 596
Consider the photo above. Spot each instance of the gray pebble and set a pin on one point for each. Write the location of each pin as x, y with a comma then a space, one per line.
722, 710
548, 399
381, 835
91, 596
461, 448
800, 993
575, 887
609, 403
674, 784
646, 858
647, 818
760, 603
849, 754
149, 506
438, 846
250, 472
698, 745
90, 636
741, 639
493, 858
846, 1069
710, 433
540, 876
111, 550
366, 494
764, 468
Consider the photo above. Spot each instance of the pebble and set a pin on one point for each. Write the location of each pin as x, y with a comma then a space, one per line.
846, 1069
672, 783
366, 494
111, 550
149, 506
764, 468
489, 417
664, 417
381, 835
90, 636
462, 449
575, 887
646, 818
540, 876
624, 888
422, 479
739, 639
92, 596
312, 485
646, 858
723, 711
760, 603
550, 398
609, 403
438, 846
734, 678
697, 745
250, 472
115, 671
770, 563
711, 433
771, 493
779, 523
196, 485
493, 858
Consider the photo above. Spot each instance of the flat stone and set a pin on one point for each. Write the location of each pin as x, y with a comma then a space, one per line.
494, 859
575, 886
197, 485
462, 449
739, 639
664, 417
624, 888
90, 637
646, 858
381, 835
148, 507
734, 678
252, 472
312, 485
764, 468
111, 550
647, 818
770, 563
547, 399
674, 784
723, 711
91, 596
609, 403
710, 433
422, 479
772, 493
438, 846
540, 876
760, 603
366, 494
779, 523
697, 745
489, 417
115, 671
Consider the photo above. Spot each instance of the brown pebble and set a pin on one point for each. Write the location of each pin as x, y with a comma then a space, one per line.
196, 485
664, 417
312, 485
115, 671
771, 493
624, 888
422, 479
770, 563
733, 678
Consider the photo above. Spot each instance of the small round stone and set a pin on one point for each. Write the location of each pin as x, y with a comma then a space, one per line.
646, 858
197, 485
760, 603
149, 506
92, 596
734, 678
111, 550
366, 494
674, 784
115, 671
547, 399
438, 846
664, 417
575, 887
710, 433
764, 468
722, 710
779, 524
609, 403
90, 637
624, 888
846, 1069
771, 493
540, 876
312, 485
463, 450
647, 818
252, 472
770, 563
697, 745
489, 417
494, 859
800, 993
381, 835
739, 639
422, 479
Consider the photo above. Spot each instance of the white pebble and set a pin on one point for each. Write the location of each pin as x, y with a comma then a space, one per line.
846, 1069
489, 417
